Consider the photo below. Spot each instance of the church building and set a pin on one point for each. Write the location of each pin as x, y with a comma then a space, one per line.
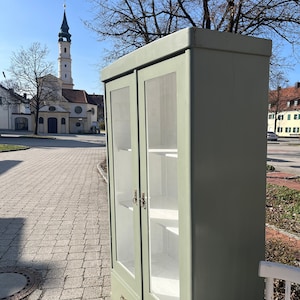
65, 109
70, 110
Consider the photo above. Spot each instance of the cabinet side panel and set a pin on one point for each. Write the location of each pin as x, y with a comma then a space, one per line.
228, 117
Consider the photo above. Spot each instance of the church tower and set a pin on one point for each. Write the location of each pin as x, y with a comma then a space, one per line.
64, 58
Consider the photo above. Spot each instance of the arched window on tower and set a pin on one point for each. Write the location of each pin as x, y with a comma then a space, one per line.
65, 75
65, 50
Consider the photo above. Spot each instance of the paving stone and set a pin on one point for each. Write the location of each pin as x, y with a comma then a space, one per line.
73, 282
75, 264
92, 292
92, 281
59, 256
56, 219
71, 293
76, 255
52, 294
74, 272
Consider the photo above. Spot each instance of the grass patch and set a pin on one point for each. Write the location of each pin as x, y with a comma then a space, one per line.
281, 252
283, 208
34, 136
270, 168
6, 148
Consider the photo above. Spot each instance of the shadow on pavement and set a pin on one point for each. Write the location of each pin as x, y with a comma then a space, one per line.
5, 165
277, 160
11, 249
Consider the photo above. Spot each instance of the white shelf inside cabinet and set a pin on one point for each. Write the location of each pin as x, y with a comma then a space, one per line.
164, 152
167, 218
163, 214
125, 149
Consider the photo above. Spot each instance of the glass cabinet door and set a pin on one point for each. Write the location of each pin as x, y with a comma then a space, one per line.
160, 98
124, 180
122, 149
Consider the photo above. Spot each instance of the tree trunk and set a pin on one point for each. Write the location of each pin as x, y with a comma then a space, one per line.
36, 121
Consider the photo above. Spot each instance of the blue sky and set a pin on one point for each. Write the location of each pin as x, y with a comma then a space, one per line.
23, 22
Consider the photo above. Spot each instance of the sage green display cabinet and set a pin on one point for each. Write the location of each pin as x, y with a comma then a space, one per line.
186, 139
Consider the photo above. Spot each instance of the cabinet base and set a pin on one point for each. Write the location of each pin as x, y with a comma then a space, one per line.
120, 290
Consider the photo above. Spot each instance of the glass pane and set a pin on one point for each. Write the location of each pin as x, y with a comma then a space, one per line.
161, 111
122, 164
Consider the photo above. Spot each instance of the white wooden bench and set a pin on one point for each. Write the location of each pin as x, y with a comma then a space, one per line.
271, 271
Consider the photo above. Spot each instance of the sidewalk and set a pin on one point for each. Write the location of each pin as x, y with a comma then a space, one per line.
54, 221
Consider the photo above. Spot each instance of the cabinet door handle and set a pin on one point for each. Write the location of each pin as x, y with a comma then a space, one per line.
143, 201
135, 199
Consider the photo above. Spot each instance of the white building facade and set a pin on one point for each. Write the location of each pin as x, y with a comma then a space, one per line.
284, 111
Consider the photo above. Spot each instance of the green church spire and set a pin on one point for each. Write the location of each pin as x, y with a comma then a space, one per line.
64, 29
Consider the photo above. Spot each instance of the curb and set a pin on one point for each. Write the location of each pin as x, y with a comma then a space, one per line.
101, 172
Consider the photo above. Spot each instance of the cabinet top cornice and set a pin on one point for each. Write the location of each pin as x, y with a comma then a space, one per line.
179, 42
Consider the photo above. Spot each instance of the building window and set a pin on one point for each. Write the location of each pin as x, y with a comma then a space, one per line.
65, 66
63, 121
288, 129
65, 50
271, 116
78, 109
279, 129
295, 129
296, 103
52, 108
297, 117
288, 116
280, 117
65, 75
41, 120
77, 124
21, 123
1, 101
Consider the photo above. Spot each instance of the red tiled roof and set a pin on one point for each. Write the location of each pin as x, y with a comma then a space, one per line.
285, 95
75, 96
81, 96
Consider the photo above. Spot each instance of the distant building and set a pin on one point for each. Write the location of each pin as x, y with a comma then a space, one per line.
65, 111
284, 111
14, 110
69, 111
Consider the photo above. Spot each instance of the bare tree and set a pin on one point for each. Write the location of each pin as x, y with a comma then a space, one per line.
10, 84
29, 69
130, 24
134, 23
